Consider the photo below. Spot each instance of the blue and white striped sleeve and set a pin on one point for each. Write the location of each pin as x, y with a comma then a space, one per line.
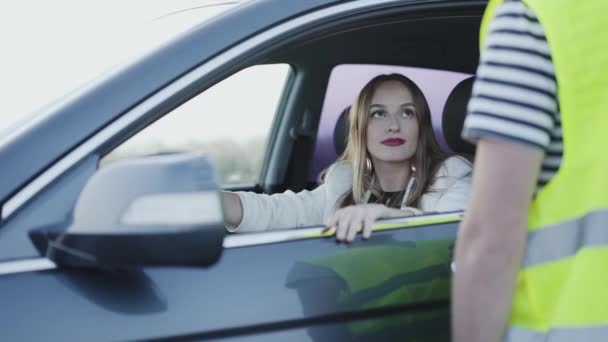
515, 93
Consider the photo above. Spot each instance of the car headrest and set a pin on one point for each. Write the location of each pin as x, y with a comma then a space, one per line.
454, 113
341, 132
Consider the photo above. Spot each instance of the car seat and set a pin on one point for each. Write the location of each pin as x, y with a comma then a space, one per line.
454, 113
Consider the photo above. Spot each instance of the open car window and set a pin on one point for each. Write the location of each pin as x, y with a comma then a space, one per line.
229, 122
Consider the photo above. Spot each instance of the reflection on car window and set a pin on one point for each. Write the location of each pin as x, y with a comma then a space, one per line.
230, 122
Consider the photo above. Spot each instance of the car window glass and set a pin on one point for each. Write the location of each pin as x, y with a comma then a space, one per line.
347, 80
230, 122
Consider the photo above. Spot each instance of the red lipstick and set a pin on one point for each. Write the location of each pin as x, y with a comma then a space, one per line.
393, 142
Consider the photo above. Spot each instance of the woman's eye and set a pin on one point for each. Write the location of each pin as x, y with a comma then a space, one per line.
408, 113
377, 114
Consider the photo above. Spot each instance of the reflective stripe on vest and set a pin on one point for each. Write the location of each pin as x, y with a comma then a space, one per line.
583, 334
562, 289
565, 239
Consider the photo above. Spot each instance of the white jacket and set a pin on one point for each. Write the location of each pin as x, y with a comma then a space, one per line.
449, 192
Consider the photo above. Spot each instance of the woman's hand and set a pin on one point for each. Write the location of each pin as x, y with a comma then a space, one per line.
348, 221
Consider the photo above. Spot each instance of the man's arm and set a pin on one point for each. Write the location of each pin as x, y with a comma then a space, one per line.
491, 239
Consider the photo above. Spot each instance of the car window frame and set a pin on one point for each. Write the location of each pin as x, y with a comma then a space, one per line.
283, 92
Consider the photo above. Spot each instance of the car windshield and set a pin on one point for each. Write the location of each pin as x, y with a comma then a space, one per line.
52, 48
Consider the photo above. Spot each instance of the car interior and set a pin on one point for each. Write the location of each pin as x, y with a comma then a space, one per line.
400, 37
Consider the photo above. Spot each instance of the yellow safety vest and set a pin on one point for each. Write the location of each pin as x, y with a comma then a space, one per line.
562, 288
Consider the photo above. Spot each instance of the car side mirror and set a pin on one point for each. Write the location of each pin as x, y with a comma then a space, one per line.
161, 210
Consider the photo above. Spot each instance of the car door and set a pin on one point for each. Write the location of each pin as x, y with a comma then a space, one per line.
280, 285
297, 284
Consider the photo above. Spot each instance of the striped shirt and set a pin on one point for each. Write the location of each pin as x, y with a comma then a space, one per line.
515, 92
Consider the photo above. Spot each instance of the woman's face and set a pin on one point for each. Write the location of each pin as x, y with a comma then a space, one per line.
392, 125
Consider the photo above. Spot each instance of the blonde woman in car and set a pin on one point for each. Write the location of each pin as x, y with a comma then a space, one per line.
392, 167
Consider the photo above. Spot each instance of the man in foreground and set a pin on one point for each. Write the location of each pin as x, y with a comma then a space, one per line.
533, 247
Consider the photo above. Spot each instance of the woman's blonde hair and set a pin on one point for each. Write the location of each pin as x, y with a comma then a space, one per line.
428, 155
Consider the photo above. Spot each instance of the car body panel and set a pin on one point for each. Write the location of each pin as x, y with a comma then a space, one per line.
50, 206
249, 286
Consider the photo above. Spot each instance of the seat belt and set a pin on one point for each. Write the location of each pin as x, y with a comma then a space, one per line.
303, 135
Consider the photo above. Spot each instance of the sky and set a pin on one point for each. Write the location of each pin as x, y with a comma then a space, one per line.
51, 47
